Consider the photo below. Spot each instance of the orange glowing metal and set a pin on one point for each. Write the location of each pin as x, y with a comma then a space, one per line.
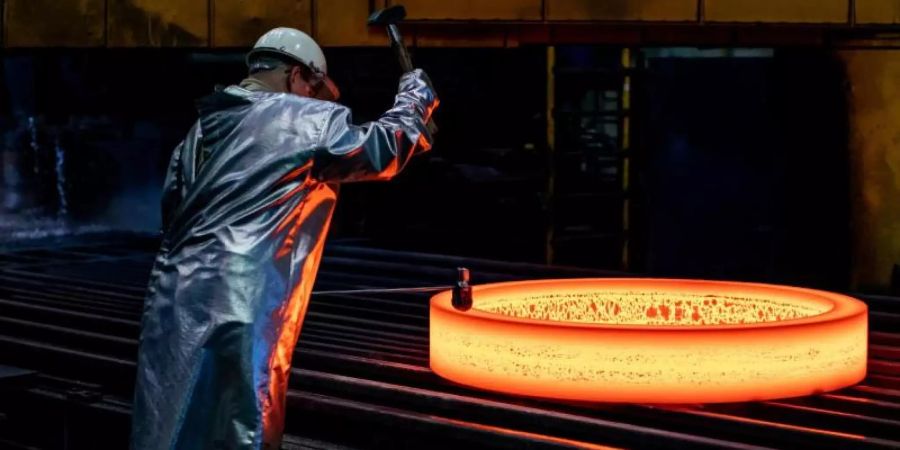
655, 341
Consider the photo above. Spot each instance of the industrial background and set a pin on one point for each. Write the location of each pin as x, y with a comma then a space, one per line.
718, 139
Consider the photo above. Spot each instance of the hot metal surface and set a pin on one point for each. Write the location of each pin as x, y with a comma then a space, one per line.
361, 377
650, 341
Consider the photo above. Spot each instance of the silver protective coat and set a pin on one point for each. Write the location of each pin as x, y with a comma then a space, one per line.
246, 207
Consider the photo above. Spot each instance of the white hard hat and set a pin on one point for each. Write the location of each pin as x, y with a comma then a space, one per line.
297, 46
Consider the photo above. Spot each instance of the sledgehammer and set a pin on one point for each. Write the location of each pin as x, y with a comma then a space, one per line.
389, 17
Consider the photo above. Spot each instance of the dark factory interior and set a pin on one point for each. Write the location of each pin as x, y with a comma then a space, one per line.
752, 145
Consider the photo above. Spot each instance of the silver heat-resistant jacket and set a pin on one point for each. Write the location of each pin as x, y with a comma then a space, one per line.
246, 206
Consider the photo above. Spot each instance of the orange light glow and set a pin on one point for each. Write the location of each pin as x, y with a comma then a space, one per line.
650, 341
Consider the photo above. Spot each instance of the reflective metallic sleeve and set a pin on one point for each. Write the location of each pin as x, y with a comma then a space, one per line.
171, 194
377, 150
174, 184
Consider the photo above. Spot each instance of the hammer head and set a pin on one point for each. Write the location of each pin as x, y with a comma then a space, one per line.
388, 16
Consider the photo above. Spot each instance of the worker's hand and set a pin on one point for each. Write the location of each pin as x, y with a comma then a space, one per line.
418, 75
426, 79
417, 81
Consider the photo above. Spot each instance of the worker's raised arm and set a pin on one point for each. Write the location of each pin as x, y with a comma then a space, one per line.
377, 150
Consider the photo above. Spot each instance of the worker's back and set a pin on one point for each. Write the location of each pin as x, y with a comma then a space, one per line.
247, 203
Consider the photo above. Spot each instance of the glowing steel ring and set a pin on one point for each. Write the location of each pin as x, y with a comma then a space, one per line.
650, 341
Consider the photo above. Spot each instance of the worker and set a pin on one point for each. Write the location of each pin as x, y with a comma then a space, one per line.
247, 202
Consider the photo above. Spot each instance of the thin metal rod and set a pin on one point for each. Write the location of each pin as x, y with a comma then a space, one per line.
411, 290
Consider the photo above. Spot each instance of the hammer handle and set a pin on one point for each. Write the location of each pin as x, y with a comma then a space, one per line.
399, 48
405, 61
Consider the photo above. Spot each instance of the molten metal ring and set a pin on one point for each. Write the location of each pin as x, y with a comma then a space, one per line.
650, 341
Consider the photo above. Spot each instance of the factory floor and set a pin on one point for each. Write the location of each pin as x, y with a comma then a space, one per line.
70, 313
